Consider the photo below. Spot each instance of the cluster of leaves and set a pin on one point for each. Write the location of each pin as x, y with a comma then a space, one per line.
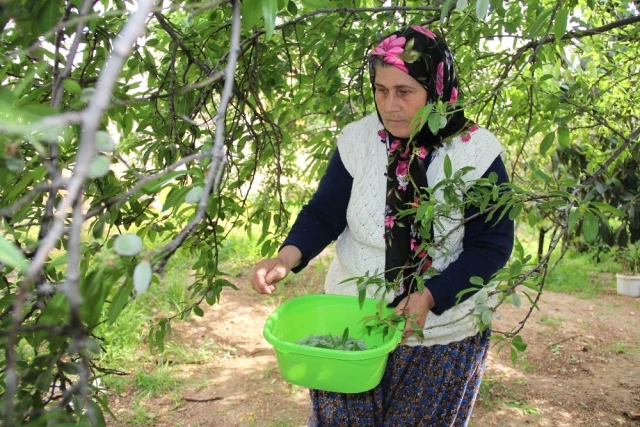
98, 168
344, 343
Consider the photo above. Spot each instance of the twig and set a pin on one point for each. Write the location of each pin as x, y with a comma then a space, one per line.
55, 104
562, 341
91, 121
147, 179
177, 40
91, 118
202, 399
43, 186
218, 161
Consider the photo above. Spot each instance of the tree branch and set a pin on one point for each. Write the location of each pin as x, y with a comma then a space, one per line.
91, 117
217, 162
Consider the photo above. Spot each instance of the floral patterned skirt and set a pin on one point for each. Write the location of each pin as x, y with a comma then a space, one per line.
421, 386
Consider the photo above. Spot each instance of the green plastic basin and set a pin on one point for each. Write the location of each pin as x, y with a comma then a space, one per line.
328, 369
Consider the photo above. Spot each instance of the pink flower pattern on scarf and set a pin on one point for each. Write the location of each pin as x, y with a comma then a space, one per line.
402, 168
454, 95
389, 221
440, 79
424, 31
389, 49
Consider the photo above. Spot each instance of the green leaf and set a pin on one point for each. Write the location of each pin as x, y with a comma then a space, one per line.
515, 268
564, 136
482, 296
292, 8
127, 244
104, 142
447, 167
194, 195
119, 301
250, 11
99, 167
445, 10
434, 123
48, 15
476, 280
515, 211
487, 317
160, 339
547, 142
11, 256
590, 226
560, 25
603, 207
539, 23
514, 356
515, 300
14, 164
317, 4
87, 94
72, 86
543, 176
482, 6
95, 415
43, 382
518, 343
142, 276
198, 311
481, 308
269, 10
461, 5
574, 216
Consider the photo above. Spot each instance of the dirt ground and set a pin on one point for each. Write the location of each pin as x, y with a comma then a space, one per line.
581, 367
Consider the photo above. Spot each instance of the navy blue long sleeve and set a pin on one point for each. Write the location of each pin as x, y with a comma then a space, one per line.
324, 218
486, 246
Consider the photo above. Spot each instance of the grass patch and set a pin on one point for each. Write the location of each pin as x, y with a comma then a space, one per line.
624, 348
157, 381
492, 392
580, 274
553, 322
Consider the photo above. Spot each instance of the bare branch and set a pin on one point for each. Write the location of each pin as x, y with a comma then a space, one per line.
218, 160
27, 198
91, 117
147, 179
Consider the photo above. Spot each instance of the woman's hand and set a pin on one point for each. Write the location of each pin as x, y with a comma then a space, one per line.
415, 308
268, 272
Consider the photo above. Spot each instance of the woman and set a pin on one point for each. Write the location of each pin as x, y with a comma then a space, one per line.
376, 171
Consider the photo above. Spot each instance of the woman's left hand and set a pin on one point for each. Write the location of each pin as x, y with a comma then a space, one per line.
415, 308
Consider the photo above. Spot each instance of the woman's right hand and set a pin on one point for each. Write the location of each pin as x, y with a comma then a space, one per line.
268, 272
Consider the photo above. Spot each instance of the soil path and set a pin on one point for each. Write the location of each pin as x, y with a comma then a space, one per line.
582, 367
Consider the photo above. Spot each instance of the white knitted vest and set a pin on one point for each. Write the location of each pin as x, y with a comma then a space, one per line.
360, 249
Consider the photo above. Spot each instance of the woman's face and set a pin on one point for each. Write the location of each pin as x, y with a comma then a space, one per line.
398, 98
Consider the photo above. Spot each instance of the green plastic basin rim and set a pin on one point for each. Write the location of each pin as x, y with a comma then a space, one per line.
284, 346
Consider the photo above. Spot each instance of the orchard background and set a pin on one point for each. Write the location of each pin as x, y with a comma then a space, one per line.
143, 143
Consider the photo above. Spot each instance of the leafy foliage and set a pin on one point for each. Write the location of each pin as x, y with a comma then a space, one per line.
123, 128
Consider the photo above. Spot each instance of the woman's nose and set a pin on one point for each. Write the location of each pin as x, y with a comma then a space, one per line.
391, 104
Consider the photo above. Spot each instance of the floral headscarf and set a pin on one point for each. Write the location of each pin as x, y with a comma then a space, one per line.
424, 56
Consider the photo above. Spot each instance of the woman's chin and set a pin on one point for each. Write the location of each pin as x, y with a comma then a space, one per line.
398, 131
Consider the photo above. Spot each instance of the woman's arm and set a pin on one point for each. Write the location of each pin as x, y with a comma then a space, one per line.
324, 218
319, 223
486, 248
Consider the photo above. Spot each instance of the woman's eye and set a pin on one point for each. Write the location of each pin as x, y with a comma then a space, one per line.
404, 92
